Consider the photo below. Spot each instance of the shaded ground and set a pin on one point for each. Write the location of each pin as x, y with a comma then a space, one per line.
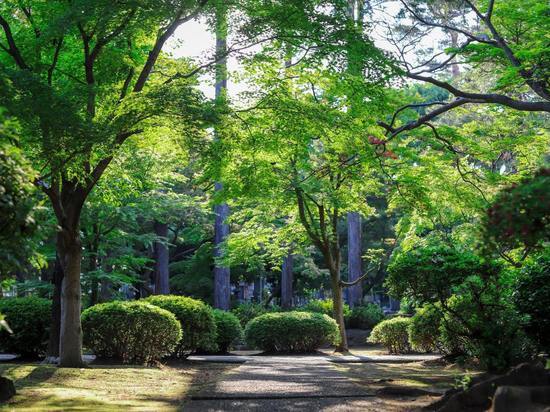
313, 383
111, 387
276, 383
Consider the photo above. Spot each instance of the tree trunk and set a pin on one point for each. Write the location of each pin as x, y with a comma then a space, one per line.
69, 248
52, 355
92, 267
286, 281
354, 258
222, 275
338, 307
162, 274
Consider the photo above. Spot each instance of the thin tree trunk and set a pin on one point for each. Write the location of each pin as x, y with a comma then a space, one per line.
286, 281
222, 275
354, 258
162, 273
52, 355
338, 308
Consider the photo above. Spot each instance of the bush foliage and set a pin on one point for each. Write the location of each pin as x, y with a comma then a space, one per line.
365, 317
197, 322
324, 306
393, 334
532, 297
291, 331
424, 330
228, 330
245, 312
134, 332
29, 318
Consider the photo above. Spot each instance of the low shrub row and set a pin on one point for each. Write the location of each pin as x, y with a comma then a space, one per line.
145, 331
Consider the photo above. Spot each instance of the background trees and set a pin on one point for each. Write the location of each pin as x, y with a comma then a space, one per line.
132, 157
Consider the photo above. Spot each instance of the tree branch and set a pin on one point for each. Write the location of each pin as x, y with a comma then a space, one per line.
12, 49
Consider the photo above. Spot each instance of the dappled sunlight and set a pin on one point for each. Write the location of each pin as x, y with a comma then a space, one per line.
105, 387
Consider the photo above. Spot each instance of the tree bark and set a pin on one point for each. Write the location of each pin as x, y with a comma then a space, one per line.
338, 308
162, 273
52, 355
354, 258
287, 281
69, 248
222, 274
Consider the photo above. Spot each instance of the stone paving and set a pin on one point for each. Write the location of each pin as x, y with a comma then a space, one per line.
284, 383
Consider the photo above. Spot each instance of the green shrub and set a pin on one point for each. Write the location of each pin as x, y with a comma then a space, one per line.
424, 330
197, 322
29, 318
393, 334
365, 317
134, 332
291, 331
245, 312
228, 330
326, 307
487, 331
532, 298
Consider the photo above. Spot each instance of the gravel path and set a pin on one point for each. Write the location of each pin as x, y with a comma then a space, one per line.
280, 383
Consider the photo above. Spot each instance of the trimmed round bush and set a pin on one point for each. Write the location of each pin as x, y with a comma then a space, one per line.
325, 306
134, 332
228, 330
291, 331
393, 334
245, 312
197, 322
365, 317
424, 330
29, 318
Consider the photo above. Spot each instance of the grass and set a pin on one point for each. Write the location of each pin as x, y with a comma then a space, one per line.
423, 375
112, 387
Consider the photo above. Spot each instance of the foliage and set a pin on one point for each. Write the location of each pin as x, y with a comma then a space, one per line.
291, 331
197, 322
424, 330
479, 320
393, 334
134, 332
228, 330
365, 317
324, 306
29, 318
532, 298
520, 214
485, 329
16, 201
247, 311
428, 274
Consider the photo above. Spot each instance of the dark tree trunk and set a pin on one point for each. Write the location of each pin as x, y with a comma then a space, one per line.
354, 258
287, 281
162, 273
52, 355
222, 275
92, 267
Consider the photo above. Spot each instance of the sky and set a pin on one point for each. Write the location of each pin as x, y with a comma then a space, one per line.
194, 40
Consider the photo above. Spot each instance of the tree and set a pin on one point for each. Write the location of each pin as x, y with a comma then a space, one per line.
222, 275
506, 37
77, 113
